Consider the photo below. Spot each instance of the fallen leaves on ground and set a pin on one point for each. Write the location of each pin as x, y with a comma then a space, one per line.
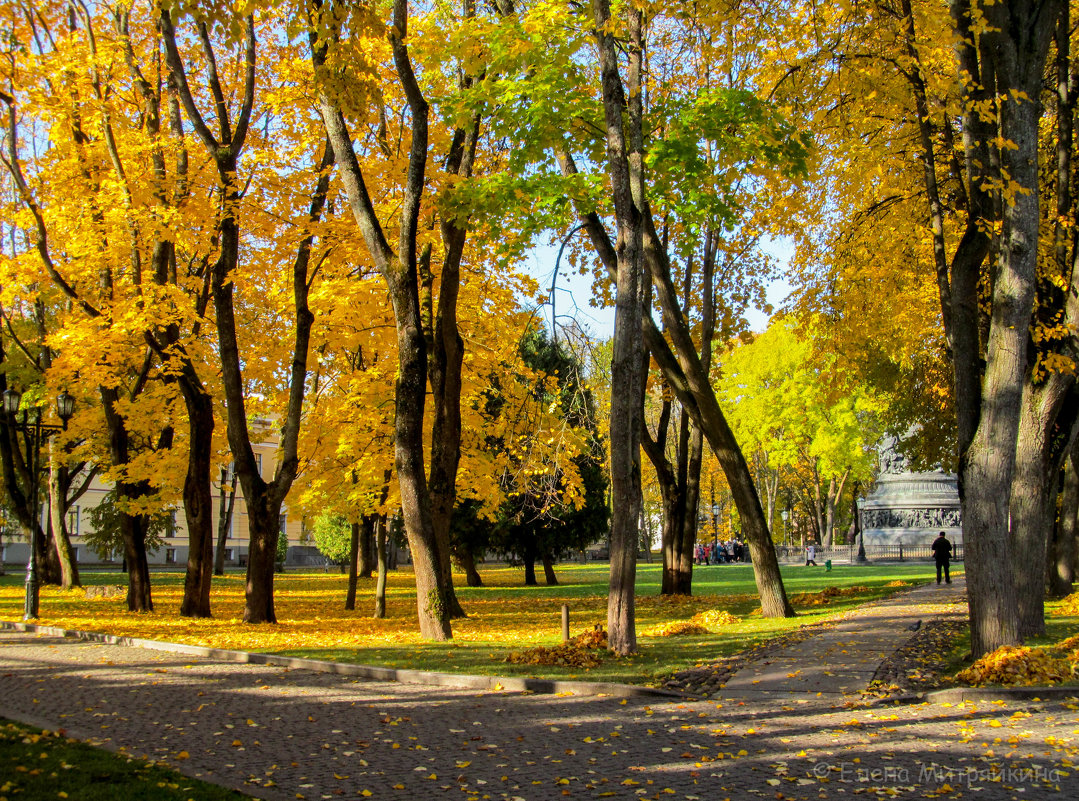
1019, 665
676, 628
578, 652
1069, 606
827, 594
713, 618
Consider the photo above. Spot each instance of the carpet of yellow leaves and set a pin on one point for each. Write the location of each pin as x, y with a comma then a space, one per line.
676, 628
580, 652
1021, 665
310, 612
1069, 606
714, 618
827, 594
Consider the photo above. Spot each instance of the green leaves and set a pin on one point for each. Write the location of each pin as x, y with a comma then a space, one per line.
712, 144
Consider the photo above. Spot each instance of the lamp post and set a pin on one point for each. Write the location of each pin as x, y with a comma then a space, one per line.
31, 424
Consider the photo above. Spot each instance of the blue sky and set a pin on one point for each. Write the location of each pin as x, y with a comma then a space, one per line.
574, 291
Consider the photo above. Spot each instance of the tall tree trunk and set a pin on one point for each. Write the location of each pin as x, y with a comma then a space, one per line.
264, 499
548, 570
224, 519
625, 170
1062, 556
380, 550
685, 373
467, 563
1006, 58
69, 569
353, 566
198, 498
366, 549
1046, 433
401, 273
132, 527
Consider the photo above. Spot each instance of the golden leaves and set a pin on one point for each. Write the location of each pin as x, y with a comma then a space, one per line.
676, 628
1019, 665
578, 652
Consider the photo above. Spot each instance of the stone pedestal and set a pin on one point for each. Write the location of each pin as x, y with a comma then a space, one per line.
911, 508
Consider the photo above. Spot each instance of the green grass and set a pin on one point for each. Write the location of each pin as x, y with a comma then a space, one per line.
729, 587
504, 616
36, 764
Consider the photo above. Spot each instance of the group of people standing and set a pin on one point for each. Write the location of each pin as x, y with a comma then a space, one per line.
719, 552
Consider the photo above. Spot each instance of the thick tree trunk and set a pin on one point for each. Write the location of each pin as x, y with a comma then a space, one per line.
1062, 556
548, 570
133, 532
467, 562
529, 560
69, 569
624, 167
198, 501
365, 557
1046, 434
1007, 57
353, 566
263, 522
401, 273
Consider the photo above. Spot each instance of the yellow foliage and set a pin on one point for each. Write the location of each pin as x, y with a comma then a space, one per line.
677, 628
713, 618
1069, 607
827, 594
1022, 665
578, 652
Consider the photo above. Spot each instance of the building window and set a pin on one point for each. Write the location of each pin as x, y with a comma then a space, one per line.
170, 556
170, 524
258, 462
73, 522
229, 554
75, 554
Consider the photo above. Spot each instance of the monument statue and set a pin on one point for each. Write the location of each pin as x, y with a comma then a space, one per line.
907, 507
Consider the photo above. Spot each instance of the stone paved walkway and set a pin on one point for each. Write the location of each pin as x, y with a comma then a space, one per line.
277, 733
842, 659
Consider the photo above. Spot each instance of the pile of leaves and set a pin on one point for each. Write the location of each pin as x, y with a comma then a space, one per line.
579, 652
1017, 665
676, 628
898, 583
1070, 606
714, 618
827, 594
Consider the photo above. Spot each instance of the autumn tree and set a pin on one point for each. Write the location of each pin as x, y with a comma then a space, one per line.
814, 423
967, 93
429, 347
223, 136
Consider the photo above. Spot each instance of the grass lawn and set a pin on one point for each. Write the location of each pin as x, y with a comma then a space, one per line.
504, 616
36, 764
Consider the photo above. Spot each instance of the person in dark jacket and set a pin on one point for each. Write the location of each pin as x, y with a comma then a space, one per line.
942, 555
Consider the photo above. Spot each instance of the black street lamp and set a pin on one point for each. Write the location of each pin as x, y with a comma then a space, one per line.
30, 423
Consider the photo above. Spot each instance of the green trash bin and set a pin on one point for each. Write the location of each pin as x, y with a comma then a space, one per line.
827, 565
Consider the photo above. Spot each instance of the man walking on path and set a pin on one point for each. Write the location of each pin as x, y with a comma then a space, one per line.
942, 555
811, 554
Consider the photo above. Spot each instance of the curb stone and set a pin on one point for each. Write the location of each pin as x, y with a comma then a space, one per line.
957, 694
373, 673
